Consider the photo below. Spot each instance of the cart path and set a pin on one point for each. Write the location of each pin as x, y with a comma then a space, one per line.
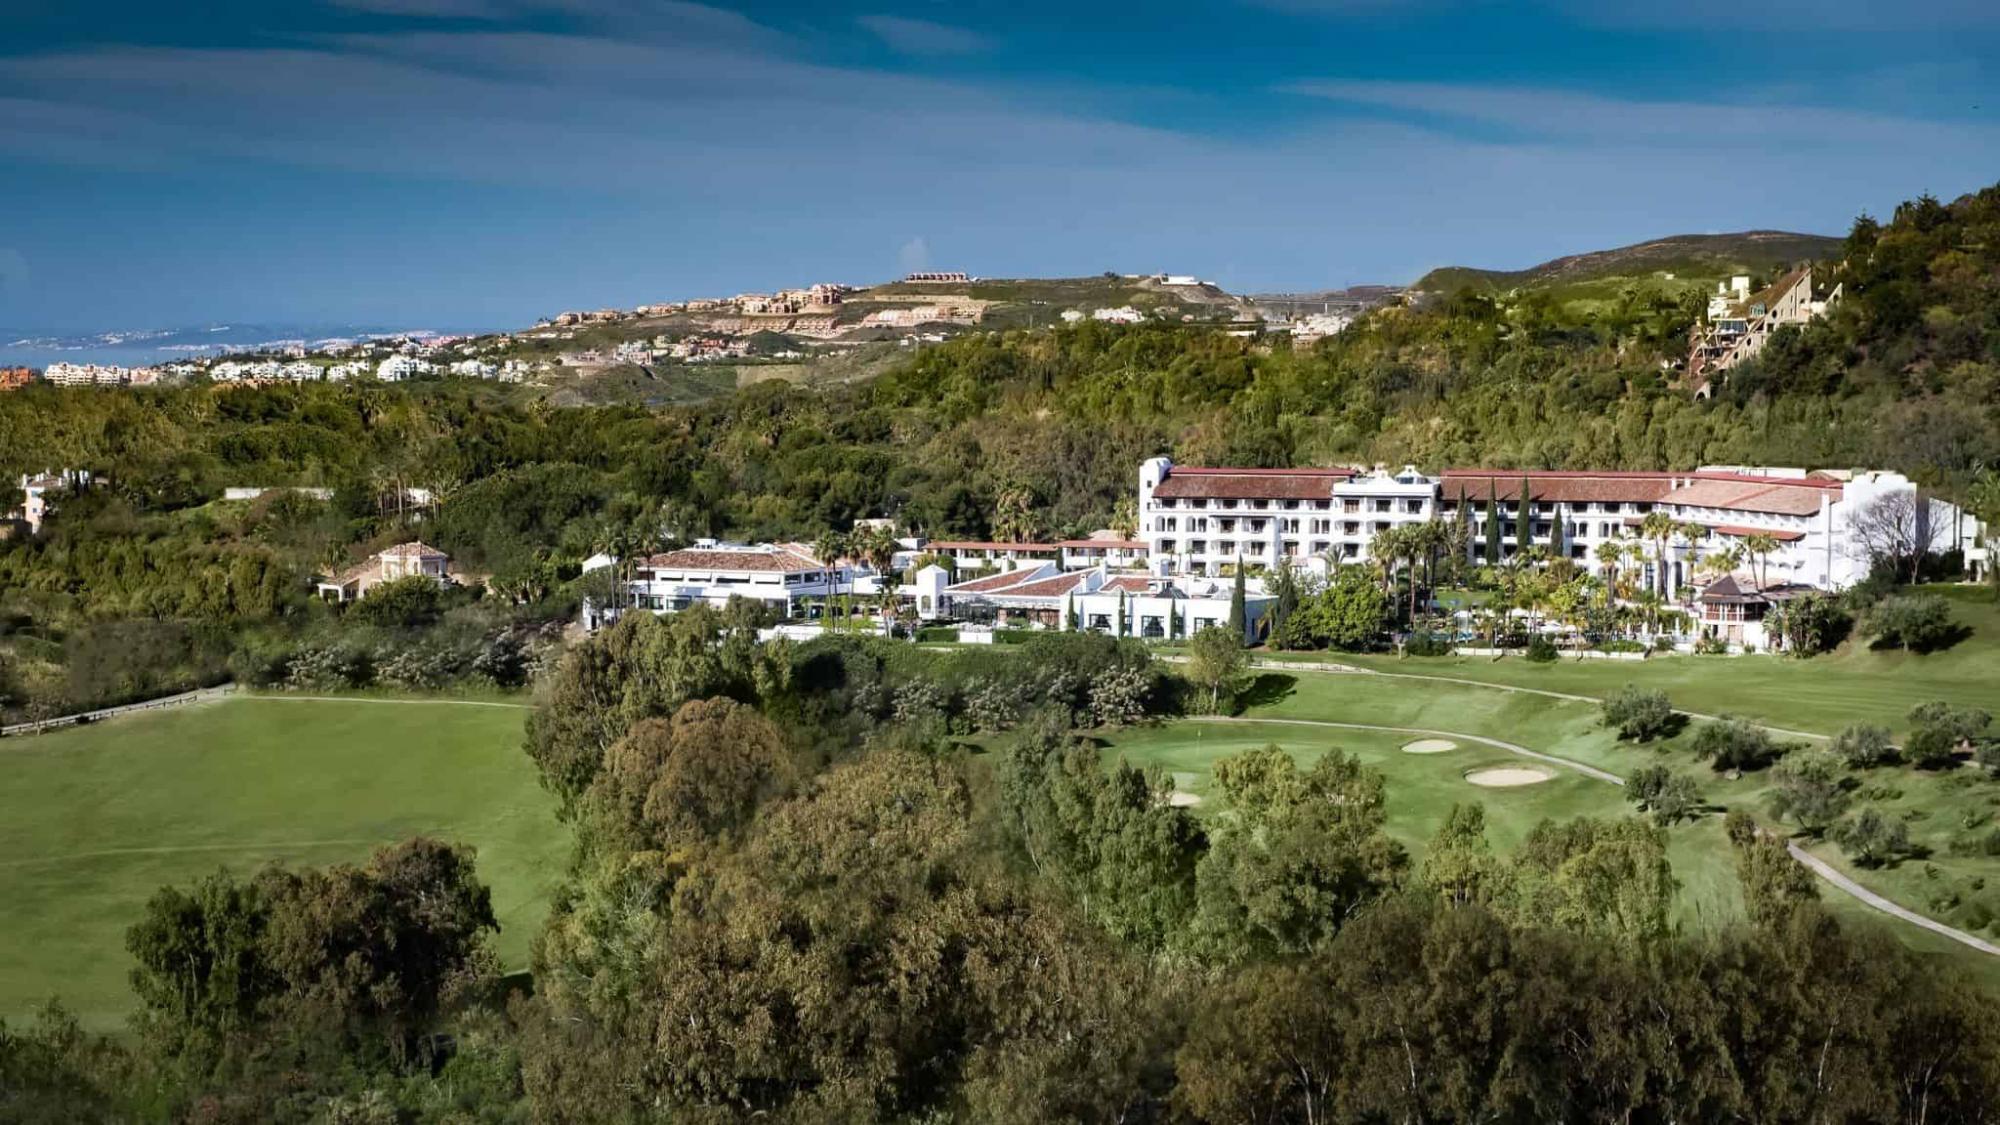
1826, 872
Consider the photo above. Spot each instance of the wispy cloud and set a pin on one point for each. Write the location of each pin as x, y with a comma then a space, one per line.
1568, 117
923, 37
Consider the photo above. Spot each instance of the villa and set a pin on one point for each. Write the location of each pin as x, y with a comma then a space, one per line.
404, 560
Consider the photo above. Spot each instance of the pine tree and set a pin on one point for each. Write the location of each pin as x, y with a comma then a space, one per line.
1492, 523
1524, 519
1236, 614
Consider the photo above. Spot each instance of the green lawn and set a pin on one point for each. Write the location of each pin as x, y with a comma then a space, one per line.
1821, 695
94, 819
1422, 787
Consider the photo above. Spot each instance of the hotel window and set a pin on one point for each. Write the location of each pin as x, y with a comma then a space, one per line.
1290, 548
1350, 505
1348, 550
1350, 527
1198, 546
1166, 545
1320, 546
1381, 525
1322, 505
1381, 505
1291, 505
1415, 507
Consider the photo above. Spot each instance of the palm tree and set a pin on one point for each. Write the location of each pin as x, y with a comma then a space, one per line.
1761, 546
1658, 527
1721, 562
1609, 555
829, 548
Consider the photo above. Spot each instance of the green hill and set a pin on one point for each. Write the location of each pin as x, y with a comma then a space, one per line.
1689, 257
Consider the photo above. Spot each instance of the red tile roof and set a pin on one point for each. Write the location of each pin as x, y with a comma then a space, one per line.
415, 549
984, 545
993, 582
1053, 587
1113, 544
1250, 484
1746, 532
1797, 496
1130, 583
775, 560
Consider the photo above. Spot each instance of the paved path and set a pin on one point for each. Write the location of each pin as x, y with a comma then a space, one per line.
1826, 871
1511, 748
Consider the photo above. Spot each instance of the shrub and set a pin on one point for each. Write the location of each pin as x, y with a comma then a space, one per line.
1942, 731
1732, 744
1711, 646
405, 603
1426, 643
1542, 650
1918, 622
1864, 746
1669, 796
1809, 788
1871, 839
1119, 696
1639, 715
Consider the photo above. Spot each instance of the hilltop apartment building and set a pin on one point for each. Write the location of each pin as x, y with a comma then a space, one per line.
1739, 323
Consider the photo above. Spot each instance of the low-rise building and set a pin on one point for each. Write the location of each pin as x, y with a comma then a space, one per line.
979, 554
781, 575
404, 560
1105, 548
1144, 606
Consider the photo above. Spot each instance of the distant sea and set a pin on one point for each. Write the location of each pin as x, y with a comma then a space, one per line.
146, 348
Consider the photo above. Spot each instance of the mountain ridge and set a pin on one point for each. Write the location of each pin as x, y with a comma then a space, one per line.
1689, 255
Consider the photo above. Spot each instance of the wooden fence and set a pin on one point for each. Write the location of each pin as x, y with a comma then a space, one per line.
107, 712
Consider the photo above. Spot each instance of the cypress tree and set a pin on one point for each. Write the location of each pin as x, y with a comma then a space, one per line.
1492, 523
1236, 608
1524, 519
1120, 631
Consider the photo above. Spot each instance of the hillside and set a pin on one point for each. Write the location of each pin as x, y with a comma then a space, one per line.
1689, 257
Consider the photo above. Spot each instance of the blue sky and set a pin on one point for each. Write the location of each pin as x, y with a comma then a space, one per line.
476, 163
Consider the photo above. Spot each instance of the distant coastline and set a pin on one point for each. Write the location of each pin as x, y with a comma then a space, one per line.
147, 348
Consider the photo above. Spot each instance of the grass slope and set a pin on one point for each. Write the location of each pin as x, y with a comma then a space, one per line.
1689, 256
94, 819
1423, 787
1821, 695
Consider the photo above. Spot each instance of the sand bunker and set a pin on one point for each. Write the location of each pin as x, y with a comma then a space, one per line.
1429, 746
1182, 799
1503, 777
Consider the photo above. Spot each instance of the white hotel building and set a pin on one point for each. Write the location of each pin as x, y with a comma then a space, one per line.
1196, 520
